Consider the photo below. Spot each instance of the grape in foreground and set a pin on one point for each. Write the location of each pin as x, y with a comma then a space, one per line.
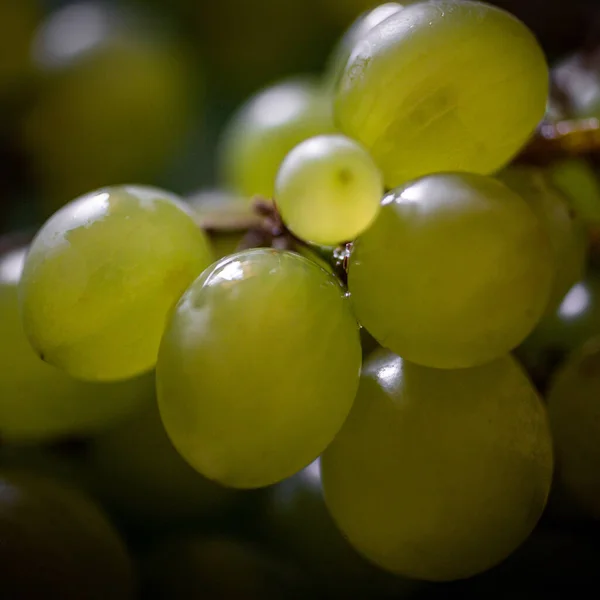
39, 402
258, 367
439, 474
56, 543
101, 276
566, 231
328, 190
442, 86
266, 128
574, 407
455, 271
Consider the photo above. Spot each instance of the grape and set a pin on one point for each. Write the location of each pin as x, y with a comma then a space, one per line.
101, 276
443, 86
356, 32
573, 323
439, 474
57, 544
577, 180
117, 96
566, 232
134, 468
574, 408
266, 128
455, 271
39, 402
328, 190
258, 367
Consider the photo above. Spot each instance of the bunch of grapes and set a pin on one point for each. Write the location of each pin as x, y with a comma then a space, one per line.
370, 312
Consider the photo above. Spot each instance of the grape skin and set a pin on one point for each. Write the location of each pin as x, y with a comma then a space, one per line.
258, 367
455, 271
39, 402
102, 275
442, 86
328, 190
566, 232
266, 128
439, 474
574, 408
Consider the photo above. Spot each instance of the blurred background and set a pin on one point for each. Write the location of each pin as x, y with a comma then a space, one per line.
98, 92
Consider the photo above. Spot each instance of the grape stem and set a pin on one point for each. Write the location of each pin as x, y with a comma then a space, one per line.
563, 139
271, 232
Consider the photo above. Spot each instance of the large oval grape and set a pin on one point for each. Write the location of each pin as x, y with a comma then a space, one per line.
39, 402
101, 276
443, 86
455, 271
439, 474
258, 367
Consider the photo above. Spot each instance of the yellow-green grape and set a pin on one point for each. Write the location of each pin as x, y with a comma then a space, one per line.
18, 21
328, 190
226, 218
266, 128
577, 180
574, 407
118, 98
567, 233
439, 474
358, 30
56, 543
443, 86
135, 470
455, 271
39, 402
102, 275
219, 568
258, 367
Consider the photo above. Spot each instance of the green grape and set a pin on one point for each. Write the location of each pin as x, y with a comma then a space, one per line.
219, 568
574, 408
298, 523
455, 271
328, 190
356, 32
39, 402
266, 128
18, 21
577, 180
136, 471
443, 86
566, 232
573, 323
101, 276
118, 97
57, 544
439, 474
258, 367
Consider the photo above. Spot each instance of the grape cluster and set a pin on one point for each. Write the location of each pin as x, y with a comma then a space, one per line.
396, 218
